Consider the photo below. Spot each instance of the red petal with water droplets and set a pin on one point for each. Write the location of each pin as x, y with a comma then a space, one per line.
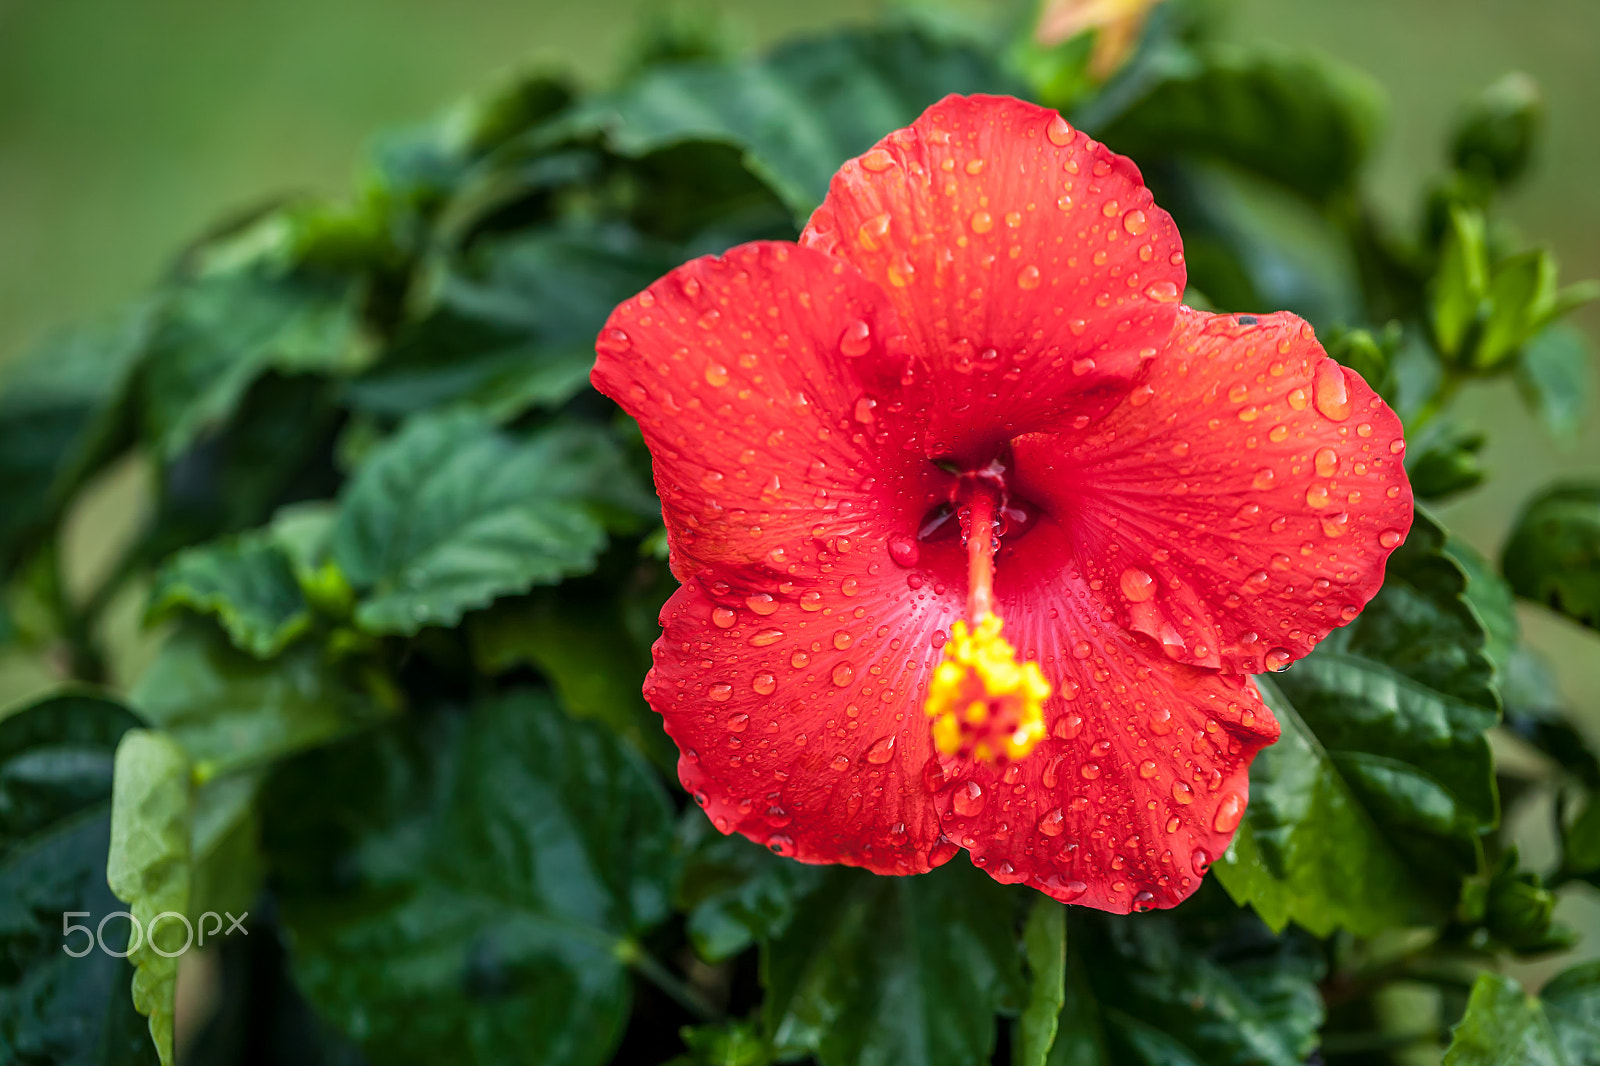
1140, 784
761, 431
1028, 262
1240, 503
799, 719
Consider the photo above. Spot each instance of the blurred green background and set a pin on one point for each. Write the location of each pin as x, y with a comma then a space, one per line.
127, 126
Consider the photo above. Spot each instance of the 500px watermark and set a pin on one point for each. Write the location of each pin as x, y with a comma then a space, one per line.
138, 933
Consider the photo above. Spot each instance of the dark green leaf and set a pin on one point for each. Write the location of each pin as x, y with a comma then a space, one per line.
1151, 993
907, 970
1366, 814
1553, 555
452, 513
465, 888
797, 113
230, 710
56, 760
1503, 1025
60, 417
1293, 117
216, 335
1446, 464
575, 635
515, 323
246, 582
1044, 945
1556, 376
1491, 598
148, 868
735, 891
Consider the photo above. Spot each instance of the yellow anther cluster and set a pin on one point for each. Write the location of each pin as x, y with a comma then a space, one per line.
985, 704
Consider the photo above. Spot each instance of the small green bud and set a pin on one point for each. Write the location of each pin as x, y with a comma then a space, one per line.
1495, 138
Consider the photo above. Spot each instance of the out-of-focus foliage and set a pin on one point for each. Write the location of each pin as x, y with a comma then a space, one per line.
404, 567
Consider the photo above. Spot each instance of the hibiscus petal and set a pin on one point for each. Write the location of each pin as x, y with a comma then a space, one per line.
754, 377
1140, 783
1019, 253
1240, 503
799, 720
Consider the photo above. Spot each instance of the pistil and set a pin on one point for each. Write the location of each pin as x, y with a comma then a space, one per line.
985, 705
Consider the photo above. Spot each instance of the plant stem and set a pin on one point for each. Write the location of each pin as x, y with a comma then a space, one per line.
674, 986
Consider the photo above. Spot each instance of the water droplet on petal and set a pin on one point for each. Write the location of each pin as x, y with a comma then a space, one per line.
723, 617
1327, 462
864, 407
1201, 861
1278, 660
1182, 794
856, 340
1331, 392
1317, 496
1058, 131
1028, 277
764, 684
1164, 292
1389, 538
1068, 727
877, 161
968, 799
1135, 222
1229, 812
764, 637
842, 640
1148, 769
720, 692
716, 375
1089, 771
840, 763
614, 341
1335, 525
761, 603
799, 660
1137, 585
981, 222
843, 674
882, 750
1264, 478
1053, 822
903, 549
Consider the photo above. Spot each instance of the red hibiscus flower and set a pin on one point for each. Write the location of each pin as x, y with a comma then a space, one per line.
980, 532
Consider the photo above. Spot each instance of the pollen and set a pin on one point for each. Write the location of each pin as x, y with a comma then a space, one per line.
986, 705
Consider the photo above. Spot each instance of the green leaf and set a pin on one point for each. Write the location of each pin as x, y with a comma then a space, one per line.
465, 888
56, 759
1366, 814
1044, 945
148, 868
230, 710
735, 1043
1494, 603
1522, 296
1461, 284
797, 113
247, 582
1553, 554
735, 891
515, 322
1446, 463
1294, 117
452, 513
575, 635
1503, 1025
1155, 992
907, 970
61, 417
218, 334
1556, 377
